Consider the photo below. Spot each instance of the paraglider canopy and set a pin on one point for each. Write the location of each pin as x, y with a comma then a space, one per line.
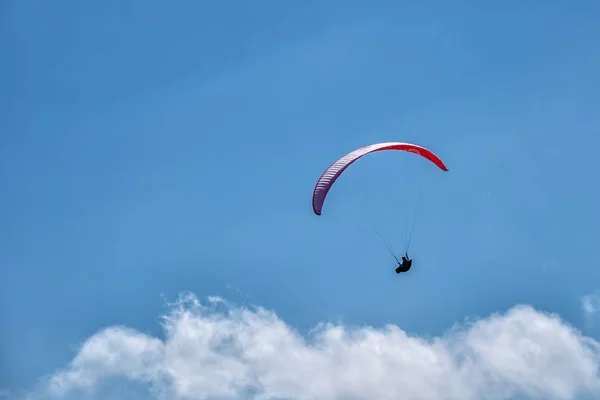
333, 172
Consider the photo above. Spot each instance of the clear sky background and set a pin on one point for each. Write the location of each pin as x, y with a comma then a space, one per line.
148, 150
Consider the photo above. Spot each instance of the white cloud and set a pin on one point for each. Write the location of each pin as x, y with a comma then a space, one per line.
590, 305
222, 351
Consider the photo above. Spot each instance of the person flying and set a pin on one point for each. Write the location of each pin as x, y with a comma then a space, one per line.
405, 264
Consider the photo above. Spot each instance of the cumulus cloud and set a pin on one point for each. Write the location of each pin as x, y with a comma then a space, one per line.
216, 350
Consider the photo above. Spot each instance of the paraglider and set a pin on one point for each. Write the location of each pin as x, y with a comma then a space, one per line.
333, 172
405, 264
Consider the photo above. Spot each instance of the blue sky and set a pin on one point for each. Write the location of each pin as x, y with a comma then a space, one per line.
148, 151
